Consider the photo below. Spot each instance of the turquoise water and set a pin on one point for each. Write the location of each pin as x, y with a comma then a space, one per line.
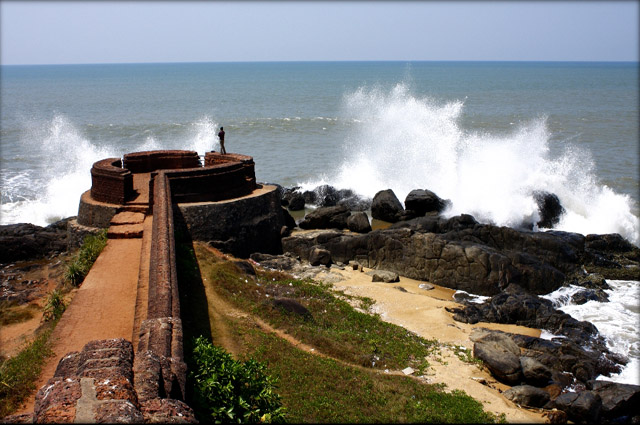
483, 134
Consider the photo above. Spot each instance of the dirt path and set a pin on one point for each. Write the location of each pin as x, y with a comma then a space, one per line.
102, 308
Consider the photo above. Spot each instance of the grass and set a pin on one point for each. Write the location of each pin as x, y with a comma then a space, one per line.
349, 381
12, 312
91, 248
18, 374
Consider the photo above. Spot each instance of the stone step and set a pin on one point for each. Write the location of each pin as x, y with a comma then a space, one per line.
127, 217
134, 207
125, 231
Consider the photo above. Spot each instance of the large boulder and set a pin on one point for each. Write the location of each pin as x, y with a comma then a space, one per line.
296, 202
386, 206
359, 222
326, 218
319, 257
618, 400
527, 395
535, 373
583, 407
500, 355
424, 201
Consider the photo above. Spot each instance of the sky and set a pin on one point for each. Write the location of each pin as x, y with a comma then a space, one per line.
53, 32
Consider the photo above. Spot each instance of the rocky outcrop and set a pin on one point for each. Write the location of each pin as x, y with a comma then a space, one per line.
482, 259
619, 401
27, 241
527, 395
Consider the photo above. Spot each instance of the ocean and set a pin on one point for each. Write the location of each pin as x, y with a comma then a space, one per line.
483, 134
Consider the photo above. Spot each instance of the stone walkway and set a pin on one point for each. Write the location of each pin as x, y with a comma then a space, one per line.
112, 300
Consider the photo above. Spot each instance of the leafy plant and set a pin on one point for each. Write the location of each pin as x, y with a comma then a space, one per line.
91, 248
54, 306
227, 390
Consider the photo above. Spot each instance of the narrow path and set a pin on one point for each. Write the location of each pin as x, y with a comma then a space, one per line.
103, 307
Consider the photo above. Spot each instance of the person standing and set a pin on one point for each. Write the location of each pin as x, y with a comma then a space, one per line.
221, 137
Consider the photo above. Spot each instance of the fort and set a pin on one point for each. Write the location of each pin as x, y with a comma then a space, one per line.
138, 374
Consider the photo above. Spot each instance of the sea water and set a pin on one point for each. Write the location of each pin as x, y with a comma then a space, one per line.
483, 134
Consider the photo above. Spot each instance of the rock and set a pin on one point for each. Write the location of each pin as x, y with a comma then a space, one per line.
245, 266
583, 407
618, 400
423, 201
25, 241
549, 208
359, 222
326, 218
384, 276
276, 262
296, 202
587, 295
289, 221
426, 286
386, 206
310, 197
319, 256
327, 196
535, 373
527, 395
501, 356
355, 203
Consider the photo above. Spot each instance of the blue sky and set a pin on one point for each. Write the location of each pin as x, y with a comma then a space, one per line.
210, 31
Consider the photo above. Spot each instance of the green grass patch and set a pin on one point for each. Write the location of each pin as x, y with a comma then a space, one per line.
348, 383
334, 326
18, 374
80, 265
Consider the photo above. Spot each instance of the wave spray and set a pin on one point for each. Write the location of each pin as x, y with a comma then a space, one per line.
402, 142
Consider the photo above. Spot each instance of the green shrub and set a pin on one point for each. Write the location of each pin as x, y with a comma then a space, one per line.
91, 248
227, 390
54, 306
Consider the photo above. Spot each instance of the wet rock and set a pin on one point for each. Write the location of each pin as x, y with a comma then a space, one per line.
583, 407
618, 400
527, 395
326, 218
386, 206
296, 202
587, 295
327, 196
359, 222
423, 201
549, 208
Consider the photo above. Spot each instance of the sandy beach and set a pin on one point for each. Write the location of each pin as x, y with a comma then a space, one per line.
423, 312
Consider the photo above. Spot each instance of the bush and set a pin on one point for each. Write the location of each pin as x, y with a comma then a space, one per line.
54, 306
227, 390
91, 248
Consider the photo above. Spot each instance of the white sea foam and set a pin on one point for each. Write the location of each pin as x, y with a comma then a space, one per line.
617, 320
403, 142
61, 160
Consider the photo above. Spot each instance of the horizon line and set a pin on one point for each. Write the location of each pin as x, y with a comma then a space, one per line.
327, 61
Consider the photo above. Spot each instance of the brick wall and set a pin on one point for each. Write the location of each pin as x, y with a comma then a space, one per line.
146, 162
110, 182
